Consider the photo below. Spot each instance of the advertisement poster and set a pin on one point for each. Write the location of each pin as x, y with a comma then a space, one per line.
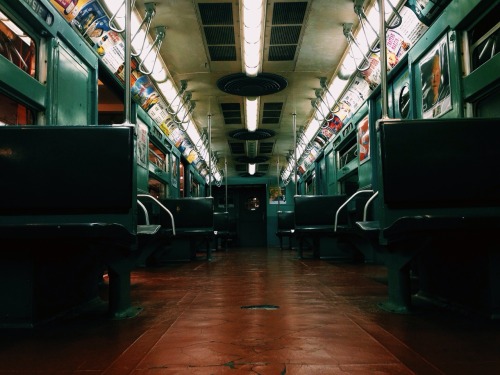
276, 195
332, 127
360, 88
174, 170
435, 77
144, 93
364, 140
142, 145
69, 9
357, 93
158, 112
403, 37
93, 23
372, 75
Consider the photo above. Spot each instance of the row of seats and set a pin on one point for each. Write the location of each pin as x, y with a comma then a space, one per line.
324, 226
61, 230
186, 226
435, 192
438, 204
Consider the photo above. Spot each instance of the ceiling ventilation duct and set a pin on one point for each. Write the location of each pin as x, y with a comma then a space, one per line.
242, 85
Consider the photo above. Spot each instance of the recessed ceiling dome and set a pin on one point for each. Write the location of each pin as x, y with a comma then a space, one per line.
245, 135
241, 84
252, 160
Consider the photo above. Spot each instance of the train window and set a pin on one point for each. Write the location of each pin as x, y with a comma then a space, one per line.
157, 188
349, 184
195, 188
14, 113
181, 179
16, 46
157, 157
488, 105
404, 101
111, 107
252, 204
346, 155
311, 185
483, 39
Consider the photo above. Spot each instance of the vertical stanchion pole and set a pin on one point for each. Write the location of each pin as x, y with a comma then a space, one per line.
383, 59
278, 180
225, 174
209, 155
128, 56
296, 169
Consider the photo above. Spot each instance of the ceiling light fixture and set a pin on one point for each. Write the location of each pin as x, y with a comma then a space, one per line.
252, 113
253, 16
251, 169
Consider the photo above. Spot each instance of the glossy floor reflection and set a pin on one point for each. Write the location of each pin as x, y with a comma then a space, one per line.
326, 321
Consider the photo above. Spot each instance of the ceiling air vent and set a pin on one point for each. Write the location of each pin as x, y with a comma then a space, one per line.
266, 147
288, 18
231, 113
241, 167
237, 148
263, 168
245, 135
218, 26
271, 114
242, 85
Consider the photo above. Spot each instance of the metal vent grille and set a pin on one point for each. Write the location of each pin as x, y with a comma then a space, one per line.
252, 148
285, 35
241, 84
287, 21
271, 114
245, 135
222, 53
241, 167
263, 168
231, 113
218, 27
266, 147
219, 35
237, 148
216, 13
288, 12
282, 53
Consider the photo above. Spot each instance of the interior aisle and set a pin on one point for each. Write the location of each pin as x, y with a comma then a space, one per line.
256, 311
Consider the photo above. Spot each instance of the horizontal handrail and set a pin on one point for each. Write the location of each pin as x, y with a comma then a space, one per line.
163, 207
345, 203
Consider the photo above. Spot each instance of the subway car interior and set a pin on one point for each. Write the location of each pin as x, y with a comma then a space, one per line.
249, 187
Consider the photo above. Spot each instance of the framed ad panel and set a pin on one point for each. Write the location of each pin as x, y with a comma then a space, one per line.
434, 73
363, 140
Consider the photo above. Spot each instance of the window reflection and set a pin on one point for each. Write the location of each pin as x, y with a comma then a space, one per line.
157, 157
157, 189
14, 113
484, 38
252, 203
16, 46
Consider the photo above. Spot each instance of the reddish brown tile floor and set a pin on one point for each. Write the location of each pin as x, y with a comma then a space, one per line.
192, 322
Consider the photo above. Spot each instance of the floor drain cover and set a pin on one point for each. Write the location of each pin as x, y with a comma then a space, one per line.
260, 307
